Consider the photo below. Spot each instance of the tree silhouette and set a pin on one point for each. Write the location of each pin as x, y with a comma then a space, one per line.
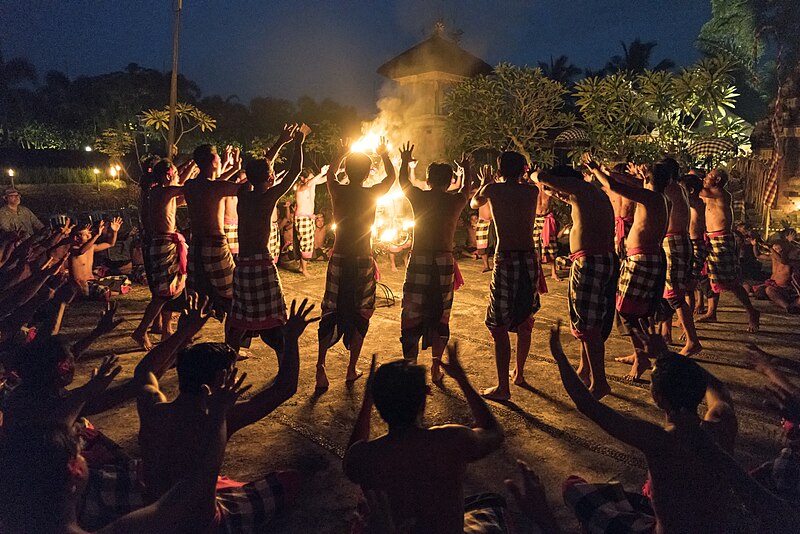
14, 74
560, 70
636, 58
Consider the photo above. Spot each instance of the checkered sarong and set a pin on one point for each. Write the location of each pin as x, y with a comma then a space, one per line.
485, 514
247, 508
112, 491
641, 282
274, 245
304, 226
349, 300
678, 251
699, 255
231, 230
167, 256
210, 267
258, 302
513, 293
723, 262
482, 234
605, 508
592, 286
427, 296
544, 229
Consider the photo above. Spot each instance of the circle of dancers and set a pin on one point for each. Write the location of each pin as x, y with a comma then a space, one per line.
643, 240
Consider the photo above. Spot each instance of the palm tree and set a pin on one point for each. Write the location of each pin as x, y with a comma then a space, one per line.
636, 58
14, 73
560, 70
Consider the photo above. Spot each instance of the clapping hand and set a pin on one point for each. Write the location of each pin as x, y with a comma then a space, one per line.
298, 319
406, 152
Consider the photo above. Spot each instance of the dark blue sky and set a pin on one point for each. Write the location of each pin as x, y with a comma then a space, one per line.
288, 48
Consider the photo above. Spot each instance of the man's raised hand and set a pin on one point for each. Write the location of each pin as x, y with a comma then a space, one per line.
107, 321
223, 395
383, 147
298, 319
647, 333
198, 310
485, 175
103, 376
116, 224
406, 152
287, 134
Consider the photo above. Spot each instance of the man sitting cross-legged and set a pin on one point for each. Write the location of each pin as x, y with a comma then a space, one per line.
514, 295
258, 303
431, 272
349, 300
691, 476
167, 432
81, 260
421, 470
594, 271
642, 274
45, 476
723, 262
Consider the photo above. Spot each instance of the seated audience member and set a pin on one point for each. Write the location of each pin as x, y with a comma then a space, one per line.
323, 238
783, 286
691, 477
81, 261
168, 429
45, 476
421, 469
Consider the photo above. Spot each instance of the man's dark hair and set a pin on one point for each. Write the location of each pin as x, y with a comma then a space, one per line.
679, 381
161, 169
565, 171
199, 365
512, 165
258, 171
620, 168
440, 175
692, 183
662, 176
204, 155
36, 478
399, 390
671, 167
37, 362
357, 167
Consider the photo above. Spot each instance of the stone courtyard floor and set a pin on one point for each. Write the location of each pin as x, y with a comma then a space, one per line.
309, 432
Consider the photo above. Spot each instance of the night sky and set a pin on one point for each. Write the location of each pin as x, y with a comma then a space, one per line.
331, 48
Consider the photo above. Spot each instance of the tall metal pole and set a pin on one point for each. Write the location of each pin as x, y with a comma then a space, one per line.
173, 91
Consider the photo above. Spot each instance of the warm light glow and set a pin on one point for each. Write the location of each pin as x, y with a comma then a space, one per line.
87, 148
333, 227
408, 223
112, 171
11, 172
96, 170
374, 229
389, 235
369, 142
118, 168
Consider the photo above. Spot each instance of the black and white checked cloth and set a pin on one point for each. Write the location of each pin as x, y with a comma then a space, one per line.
678, 251
210, 267
427, 296
304, 226
513, 293
605, 508
349, 300
482, 234
592, 287
641, 283
258, 302
722, 262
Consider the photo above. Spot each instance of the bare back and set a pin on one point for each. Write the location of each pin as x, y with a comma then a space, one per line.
697, 224
205, 202
354, 213
542, 203
679, 216
511, 204
592, 221
650, 221
435, 218
162, 204
255, 210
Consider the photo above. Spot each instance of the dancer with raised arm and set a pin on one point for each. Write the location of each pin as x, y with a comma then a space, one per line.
304, 218
545, 230
349, 300
432, 270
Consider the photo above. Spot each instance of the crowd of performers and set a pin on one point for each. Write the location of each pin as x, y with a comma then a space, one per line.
642, 239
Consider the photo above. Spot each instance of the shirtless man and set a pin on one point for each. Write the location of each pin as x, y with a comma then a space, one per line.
482, 230
723, 263
697, 234
81, 260
234, 173
624, 209
545, 231
429, 284
782, 287
678, 251
258, 303
168, 429
643, 270
691, 474
321, 232
349, 300
514, 295
594, 271
421, 470
304, 218
167, 251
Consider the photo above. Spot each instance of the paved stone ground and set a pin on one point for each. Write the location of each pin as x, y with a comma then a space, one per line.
543, 428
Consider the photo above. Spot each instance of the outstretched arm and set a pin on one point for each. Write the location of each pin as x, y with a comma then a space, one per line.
637, 194
383, 187
115, 225
467, 177
335, 164
405, 160
285, 384
294, 170
286, 135
568, 186
486, 177
643, 435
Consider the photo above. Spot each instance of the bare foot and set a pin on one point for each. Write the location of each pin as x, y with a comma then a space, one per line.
707, 318
599, 391
638, 369
690, 349
143, 340
699, 311
353, 376
517, 377
437, 376
753, 321
322, 379
494, 393
305, 273
394, 269
555, 277
584, 375
626, 359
